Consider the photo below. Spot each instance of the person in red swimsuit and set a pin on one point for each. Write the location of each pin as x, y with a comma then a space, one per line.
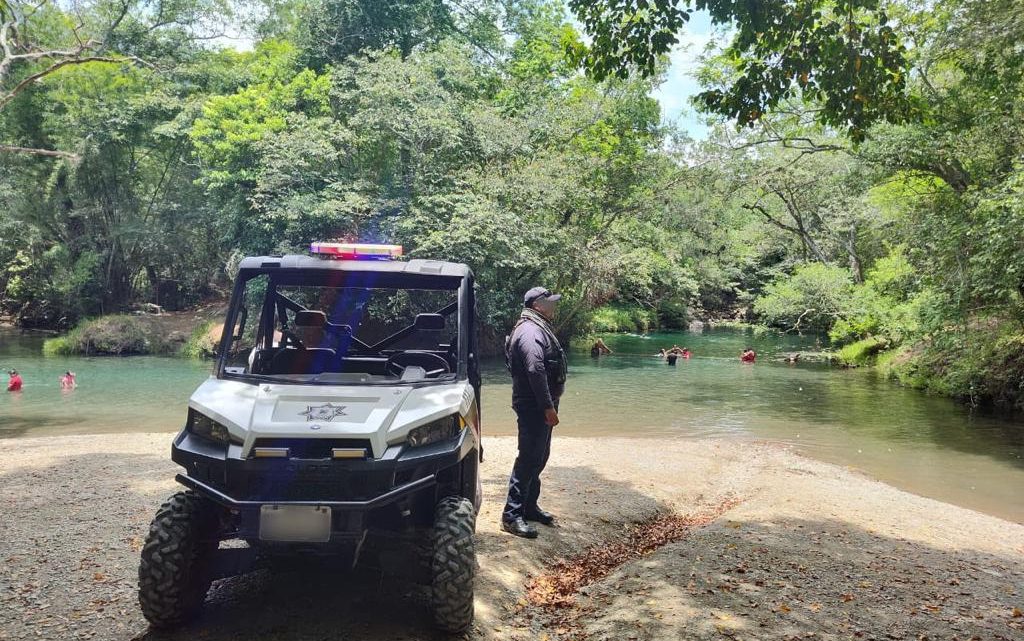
748, 355
14, 383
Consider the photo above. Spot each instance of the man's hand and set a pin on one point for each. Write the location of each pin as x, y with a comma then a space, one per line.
551, 417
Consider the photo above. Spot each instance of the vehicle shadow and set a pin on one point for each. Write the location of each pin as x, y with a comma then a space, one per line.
73, 529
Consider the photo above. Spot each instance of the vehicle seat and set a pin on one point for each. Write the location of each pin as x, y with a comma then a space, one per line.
301, 360
310, 327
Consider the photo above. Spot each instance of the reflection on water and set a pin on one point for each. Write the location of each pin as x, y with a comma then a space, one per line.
924, 444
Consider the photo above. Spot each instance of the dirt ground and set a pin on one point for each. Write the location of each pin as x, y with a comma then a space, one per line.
793, 549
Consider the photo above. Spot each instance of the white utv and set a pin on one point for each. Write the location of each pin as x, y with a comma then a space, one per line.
344, 408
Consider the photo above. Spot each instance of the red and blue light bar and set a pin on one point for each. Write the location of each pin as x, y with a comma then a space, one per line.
356, 251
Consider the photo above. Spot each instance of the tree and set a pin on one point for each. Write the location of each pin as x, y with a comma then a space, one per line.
841, 54
39, 40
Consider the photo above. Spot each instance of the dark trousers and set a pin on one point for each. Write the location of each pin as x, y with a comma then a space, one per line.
534, 450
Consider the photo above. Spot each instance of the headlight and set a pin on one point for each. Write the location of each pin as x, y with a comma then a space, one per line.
439, 430
206, 427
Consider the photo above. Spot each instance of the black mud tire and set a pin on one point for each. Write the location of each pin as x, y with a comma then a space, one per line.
174, 573
453, 564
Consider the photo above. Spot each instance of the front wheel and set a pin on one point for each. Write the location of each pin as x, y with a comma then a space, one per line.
174, 571
453, 564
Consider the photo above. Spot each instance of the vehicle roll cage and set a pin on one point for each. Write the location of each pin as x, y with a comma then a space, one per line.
284, 303
298, 271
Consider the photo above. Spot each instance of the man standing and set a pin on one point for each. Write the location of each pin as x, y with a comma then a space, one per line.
538, 367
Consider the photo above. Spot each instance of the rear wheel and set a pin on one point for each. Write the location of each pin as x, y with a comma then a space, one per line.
174, 573
453, 564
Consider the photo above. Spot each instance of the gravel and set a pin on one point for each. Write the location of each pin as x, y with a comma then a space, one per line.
810, 551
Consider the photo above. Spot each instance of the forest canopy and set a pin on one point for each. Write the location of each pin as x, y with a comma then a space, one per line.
862, 174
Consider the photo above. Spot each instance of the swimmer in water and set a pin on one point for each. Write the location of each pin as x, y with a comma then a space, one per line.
68, 382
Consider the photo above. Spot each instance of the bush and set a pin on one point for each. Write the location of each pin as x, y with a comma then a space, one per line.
672, 315
59, 346
982, 364
811, 298
862, 351
619, 318
202, 343
109, 335
888, 303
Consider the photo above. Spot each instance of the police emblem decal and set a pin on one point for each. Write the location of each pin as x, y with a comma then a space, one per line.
327, 412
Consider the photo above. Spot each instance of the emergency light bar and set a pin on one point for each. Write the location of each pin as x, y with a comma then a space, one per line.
356, 251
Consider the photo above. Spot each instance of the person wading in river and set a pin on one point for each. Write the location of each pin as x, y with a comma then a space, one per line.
14, 383
538, 366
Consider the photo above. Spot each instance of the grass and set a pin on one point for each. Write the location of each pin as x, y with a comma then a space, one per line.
980, 365
862, 352
201, 343
119, 335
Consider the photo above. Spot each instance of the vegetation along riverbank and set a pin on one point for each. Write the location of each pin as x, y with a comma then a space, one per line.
837, 192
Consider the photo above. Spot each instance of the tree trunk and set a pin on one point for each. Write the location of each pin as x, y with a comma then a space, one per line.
851, 250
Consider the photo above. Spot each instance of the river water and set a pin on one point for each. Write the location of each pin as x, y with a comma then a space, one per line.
924, 444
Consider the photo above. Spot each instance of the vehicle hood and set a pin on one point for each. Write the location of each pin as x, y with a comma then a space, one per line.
382, 415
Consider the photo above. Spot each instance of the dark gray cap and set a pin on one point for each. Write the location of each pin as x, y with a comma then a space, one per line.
539, 292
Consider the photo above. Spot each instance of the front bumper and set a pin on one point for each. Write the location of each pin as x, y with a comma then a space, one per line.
355, 490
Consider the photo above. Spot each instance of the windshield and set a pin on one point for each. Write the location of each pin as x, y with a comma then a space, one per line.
343, 334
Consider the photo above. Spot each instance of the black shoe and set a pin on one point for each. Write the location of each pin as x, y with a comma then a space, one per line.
540, 516
519, 527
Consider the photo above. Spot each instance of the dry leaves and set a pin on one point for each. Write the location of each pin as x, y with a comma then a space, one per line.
557, 588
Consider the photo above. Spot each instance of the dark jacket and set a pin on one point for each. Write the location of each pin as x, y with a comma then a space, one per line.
537, 364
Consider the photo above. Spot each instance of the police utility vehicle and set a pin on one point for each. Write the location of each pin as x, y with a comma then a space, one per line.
344, 411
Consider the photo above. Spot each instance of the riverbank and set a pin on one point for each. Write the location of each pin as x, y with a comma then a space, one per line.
192, 333
771, 545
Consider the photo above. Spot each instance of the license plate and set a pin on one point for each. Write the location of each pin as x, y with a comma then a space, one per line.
296, 523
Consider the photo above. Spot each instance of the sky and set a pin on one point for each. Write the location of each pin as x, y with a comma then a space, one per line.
681, 83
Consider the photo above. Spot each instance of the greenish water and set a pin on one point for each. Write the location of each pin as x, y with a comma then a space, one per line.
924, 444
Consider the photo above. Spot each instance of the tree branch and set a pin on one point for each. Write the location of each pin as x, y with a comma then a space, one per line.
38, 152
52, 68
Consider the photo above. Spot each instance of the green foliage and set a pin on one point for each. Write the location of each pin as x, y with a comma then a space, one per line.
202, 342
812, 298
981, 364
106, 336
861, 352
844, 55
50, 287
618, 318
877, 192
888, 304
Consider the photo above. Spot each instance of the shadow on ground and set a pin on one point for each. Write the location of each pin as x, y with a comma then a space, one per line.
76, 527
804, 579
72, 530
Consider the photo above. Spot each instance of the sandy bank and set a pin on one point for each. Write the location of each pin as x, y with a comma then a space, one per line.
809, 550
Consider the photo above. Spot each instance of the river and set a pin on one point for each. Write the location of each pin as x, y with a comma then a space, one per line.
924, 444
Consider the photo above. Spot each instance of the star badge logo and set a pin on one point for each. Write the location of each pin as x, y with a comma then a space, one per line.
326, 412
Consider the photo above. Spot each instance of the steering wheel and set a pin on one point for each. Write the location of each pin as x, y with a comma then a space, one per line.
397, 363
